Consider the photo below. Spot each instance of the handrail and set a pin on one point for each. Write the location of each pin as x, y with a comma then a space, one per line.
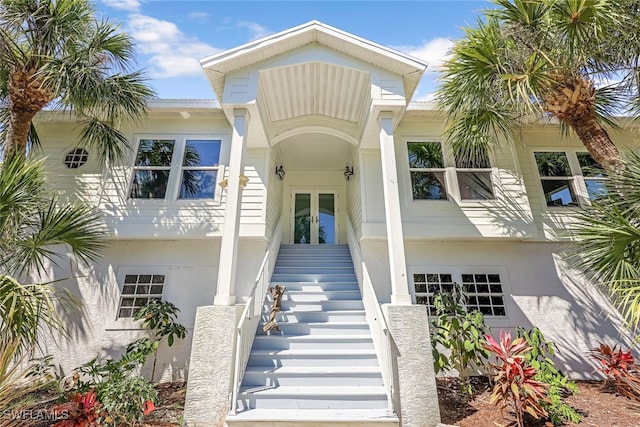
375, 317
247, 323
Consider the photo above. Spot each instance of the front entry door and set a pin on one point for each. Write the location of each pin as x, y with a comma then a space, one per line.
314, 217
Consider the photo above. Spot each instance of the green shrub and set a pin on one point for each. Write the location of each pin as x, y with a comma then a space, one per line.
459, 331
560, 386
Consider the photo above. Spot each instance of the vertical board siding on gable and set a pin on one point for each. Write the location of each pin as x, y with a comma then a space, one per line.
273, 205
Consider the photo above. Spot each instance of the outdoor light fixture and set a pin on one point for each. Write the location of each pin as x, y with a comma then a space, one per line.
280, 173
348, 172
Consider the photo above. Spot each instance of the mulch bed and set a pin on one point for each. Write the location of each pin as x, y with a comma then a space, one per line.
597, 401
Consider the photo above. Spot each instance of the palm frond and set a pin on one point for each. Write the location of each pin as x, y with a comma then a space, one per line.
26, 311
109, 142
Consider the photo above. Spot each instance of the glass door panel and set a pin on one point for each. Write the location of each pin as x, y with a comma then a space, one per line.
302, 218
326, 219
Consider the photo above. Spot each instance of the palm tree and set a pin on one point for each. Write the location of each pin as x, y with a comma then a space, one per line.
608, 239
573, 60
33, 229
56, 54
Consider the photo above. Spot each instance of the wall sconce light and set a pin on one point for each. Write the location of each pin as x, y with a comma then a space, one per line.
348, 172
280, 173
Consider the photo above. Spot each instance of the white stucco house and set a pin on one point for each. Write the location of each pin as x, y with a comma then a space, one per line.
314, 169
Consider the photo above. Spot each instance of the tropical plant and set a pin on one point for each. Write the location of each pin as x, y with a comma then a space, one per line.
15, 379
515, 386
560, 386
620, 366
607, 247
57, 54
573, 60
33, 228
460, 333
84, 410
160, 318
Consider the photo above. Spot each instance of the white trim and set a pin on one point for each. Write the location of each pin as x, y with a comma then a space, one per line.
113, 323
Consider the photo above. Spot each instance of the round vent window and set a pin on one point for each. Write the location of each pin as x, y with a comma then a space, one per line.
76, 158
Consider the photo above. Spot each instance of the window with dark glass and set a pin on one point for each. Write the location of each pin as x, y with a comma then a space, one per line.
594, 176
152, 168
426, 166
138, 291
556, 178
199, 169
474, 178
484, 292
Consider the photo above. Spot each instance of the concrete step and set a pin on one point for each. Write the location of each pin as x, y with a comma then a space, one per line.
314, 296
313, 418
313, 376
306, 286
308, 397
310, 342
319, 316
296, 262
314, 269
320, 328
300, 306
315, 277
322, 358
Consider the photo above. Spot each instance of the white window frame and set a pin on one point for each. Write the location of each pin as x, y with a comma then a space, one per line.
114, 322
577, 178
456, 272
175, 169
452, 185
442, 170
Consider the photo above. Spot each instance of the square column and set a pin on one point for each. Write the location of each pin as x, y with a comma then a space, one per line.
225, 292
392, 214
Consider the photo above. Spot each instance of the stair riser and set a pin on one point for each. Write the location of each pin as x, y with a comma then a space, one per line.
312, 278
330, 380
302, 296
320, 329
313, 270
319, 287
298, 263
300, 306
321, 316
277, 342
299, 401
321, 361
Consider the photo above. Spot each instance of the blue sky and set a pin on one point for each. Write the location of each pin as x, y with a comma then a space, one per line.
172, 36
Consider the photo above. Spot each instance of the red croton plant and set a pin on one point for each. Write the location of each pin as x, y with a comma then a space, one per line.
514, 385
83, 410
620, 366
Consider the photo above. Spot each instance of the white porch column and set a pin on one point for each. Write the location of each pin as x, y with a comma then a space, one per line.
225, 293
395, 238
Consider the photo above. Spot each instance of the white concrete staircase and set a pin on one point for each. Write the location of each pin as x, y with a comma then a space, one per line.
321, 370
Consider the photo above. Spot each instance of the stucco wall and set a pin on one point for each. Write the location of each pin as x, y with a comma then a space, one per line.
539, 290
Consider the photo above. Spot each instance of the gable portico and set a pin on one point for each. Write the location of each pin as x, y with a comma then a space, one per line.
314, 97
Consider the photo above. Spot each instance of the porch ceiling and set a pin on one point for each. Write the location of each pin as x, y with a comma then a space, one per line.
313, 94
314, 152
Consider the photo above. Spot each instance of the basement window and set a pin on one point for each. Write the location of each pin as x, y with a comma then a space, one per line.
484, 291
138, 291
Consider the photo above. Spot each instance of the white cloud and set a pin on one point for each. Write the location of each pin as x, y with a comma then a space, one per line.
434, 52
256, 30
172, 52
199, 16
128, 5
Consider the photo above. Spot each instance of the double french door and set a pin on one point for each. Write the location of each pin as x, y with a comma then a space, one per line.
314, 217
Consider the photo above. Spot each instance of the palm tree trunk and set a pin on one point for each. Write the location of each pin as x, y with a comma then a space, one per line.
27, 96
573, 102
597, 141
